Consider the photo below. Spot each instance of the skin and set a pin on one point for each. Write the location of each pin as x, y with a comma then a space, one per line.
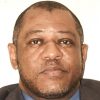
48, 55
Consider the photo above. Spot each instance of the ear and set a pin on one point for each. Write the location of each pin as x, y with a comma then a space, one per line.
84, 52
12, 53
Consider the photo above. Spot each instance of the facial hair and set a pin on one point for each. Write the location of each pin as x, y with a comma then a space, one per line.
60, 93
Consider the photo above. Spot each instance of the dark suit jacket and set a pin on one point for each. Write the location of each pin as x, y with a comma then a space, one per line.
89, 90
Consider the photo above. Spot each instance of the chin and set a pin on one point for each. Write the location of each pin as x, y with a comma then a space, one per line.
52, 95
51, 92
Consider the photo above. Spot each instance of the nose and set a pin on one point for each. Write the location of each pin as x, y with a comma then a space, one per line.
51, 51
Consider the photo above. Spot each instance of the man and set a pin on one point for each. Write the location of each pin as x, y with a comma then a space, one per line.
50, 55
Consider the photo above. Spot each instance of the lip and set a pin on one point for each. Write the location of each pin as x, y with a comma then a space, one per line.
54, 72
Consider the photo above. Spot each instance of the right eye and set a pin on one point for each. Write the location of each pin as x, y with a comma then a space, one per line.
35, 41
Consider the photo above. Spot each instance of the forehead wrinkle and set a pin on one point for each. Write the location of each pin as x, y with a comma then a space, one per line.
50, 31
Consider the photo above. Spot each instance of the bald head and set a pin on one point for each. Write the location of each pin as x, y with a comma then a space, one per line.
49, 6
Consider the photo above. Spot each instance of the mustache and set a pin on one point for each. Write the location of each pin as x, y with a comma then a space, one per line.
52, 65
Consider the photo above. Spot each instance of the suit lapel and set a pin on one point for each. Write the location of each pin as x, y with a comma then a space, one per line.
15, 95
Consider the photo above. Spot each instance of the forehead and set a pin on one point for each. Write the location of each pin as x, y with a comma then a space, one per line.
54, 15
39, 18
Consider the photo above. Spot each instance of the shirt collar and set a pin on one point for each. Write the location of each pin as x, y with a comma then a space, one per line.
76, 96
26, 96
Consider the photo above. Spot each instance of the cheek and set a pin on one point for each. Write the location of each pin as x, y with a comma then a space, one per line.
73, 62
28, 62
74, 59
27, 55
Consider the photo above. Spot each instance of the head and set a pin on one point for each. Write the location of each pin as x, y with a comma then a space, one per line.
48, 50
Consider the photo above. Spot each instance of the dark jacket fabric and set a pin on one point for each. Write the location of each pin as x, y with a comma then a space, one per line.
89, 90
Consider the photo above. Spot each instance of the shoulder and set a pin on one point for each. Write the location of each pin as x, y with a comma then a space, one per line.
8, 91
8, 88
88, 83
90, 89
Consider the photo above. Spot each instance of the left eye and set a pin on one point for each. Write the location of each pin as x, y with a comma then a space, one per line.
66, 42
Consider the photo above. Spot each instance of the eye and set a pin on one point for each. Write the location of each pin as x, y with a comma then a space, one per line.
35, 41
66, 42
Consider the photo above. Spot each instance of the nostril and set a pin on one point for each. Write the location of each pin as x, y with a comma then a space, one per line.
53, 58
58, 57
47, 58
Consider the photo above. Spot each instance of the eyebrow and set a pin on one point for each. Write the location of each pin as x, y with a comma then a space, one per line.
40, 31
67, 32
32, 32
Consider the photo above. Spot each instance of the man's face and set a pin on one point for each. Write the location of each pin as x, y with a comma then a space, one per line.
49, 54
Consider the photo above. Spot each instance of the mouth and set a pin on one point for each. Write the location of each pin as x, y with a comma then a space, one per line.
54, 72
